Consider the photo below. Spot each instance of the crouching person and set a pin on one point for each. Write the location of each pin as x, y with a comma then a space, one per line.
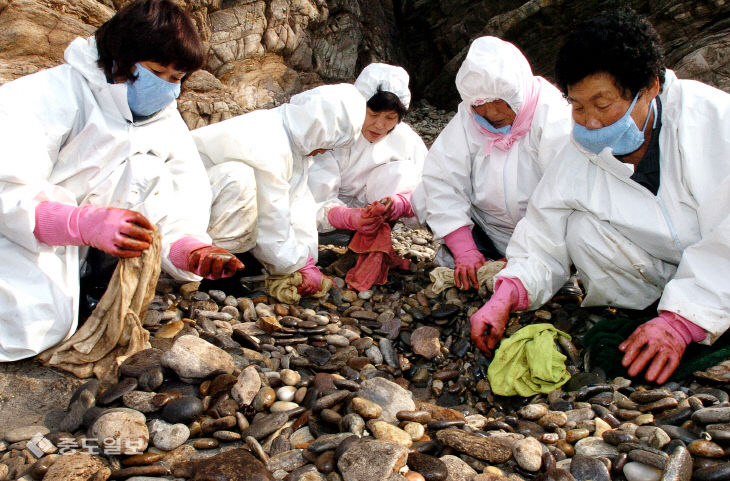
638, 203
95, 153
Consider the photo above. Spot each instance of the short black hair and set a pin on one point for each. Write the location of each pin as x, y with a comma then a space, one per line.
382, 101
620, 43
156, 30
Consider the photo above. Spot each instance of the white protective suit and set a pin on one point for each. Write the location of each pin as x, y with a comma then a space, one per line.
366, 172
460, 183
275, 143
629, 246
68, 136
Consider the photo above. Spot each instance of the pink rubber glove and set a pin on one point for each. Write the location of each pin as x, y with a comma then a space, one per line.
353, 219
205, 260
488, 323
119, 232
399, 205
661, 341
467, 257
311, 278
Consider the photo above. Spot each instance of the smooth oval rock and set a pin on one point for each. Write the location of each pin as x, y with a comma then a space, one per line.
430, 467
184, 410
121, 430
528, 453
194, 358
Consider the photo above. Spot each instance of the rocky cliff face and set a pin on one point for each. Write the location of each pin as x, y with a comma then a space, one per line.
263, 51
695, 35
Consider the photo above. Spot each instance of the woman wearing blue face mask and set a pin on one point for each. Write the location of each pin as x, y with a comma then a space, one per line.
638, 203
95, 153
484, 166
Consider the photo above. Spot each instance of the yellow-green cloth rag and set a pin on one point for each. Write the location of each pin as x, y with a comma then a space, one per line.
528, 362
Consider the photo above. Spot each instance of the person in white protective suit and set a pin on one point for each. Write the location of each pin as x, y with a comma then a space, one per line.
639, 201
94, 153
482, 169
384, 164
279, 145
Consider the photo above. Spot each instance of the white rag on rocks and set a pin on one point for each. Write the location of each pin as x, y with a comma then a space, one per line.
114, 330
443, 277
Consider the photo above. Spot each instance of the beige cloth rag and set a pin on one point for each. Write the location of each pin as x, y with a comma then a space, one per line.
443, 277
284, 288
113, 331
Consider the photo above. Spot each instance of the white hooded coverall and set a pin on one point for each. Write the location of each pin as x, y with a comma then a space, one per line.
276, 144
68, 136
460, 184
630, 246
366, 172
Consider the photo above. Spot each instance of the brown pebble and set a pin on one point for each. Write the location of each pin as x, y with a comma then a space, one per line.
227, 435
142, 459
205, 443
566, 447
159, 400
325, 462
211, 425
706, 449
330, 416
423, 417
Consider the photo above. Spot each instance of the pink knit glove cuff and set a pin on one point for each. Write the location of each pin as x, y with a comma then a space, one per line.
401, 206
181, 249
687, 330
512, 289
56, 224
460, 242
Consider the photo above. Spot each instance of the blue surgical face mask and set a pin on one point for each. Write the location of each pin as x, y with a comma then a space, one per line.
149, 93
487, 125
622, 136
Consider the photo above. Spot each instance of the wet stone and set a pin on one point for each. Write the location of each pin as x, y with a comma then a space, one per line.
588, 468
646, 397
140, 362
705, 449
287, 461
430, 467
528, 453
266, 425
480, 447
425, 342
711, 415
355, 464
390, 396
595, 447
184, 410
327, 442
205, 443
718, 472
325, 462
140, 401
117, 391
679, 466
366, 408
233, 465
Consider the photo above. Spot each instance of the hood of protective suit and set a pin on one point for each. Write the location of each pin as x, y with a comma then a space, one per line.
325, 117
82, 55
387, 78
493, 70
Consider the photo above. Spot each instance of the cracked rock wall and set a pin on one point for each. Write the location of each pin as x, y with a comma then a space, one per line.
260, 52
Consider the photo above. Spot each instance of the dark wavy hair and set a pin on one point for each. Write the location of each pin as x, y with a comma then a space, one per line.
382, 101
156, 30
618, 42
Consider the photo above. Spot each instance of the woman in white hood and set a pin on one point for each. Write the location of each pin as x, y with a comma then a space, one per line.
384, 163
484, 166
279, 145
82, 144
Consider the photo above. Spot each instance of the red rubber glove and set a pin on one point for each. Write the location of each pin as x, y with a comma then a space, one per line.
488, 323
467, 257
311, 278
119, 232
397, 206
354, 219
205, 260
661, 341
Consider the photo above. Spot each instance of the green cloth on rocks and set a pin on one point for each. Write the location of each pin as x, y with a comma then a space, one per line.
528, 362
